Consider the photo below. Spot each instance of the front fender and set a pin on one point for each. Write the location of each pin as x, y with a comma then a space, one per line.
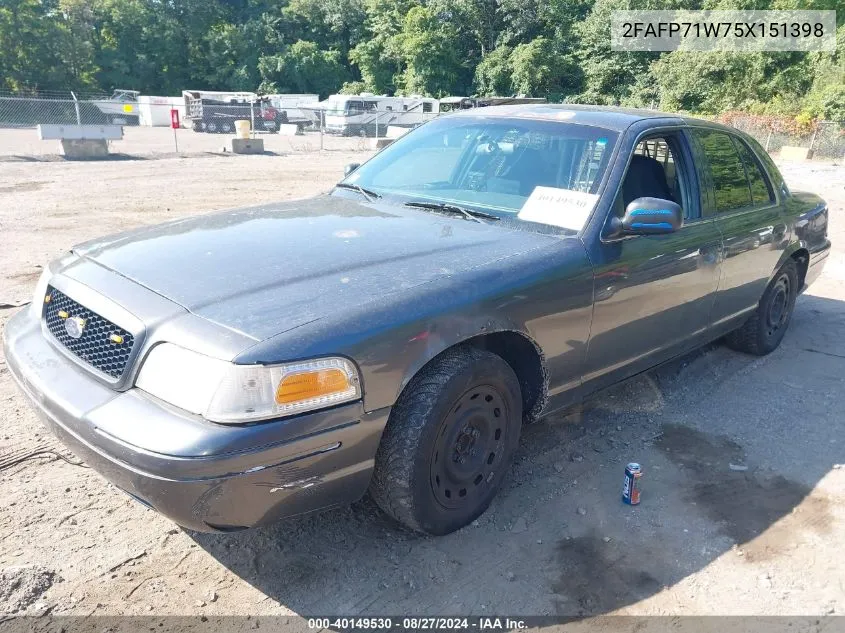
544, 295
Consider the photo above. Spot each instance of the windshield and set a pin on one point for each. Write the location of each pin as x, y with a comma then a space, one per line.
343, 106
495, 165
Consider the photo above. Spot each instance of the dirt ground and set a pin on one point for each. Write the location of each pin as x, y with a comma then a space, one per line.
743, 493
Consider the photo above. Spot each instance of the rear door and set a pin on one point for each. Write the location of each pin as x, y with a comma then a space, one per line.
747, 210
653, 293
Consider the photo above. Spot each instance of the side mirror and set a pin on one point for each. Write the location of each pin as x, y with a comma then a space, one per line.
652, 216
350, 167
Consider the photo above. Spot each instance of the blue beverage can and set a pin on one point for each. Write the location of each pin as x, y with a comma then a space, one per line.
631, 486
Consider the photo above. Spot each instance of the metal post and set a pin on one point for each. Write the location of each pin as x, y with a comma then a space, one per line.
252, 120
76, 107
322, 114
768, 138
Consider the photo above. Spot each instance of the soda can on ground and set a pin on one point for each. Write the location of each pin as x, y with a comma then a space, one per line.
631, 486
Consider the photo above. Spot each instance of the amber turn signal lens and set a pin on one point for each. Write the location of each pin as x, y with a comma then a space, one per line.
312, 384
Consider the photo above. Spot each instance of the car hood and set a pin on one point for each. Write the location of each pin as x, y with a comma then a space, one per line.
265, 270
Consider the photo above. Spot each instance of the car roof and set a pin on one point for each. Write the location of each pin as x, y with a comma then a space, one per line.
611, 118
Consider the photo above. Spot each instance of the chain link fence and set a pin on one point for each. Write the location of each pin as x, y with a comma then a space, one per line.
825, 139
66, 109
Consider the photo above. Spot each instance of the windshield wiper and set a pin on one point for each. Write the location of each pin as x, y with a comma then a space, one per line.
369, 194
469, 214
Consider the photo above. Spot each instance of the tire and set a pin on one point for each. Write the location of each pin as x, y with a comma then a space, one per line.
211, 127
449, 442
226, 127
764, 330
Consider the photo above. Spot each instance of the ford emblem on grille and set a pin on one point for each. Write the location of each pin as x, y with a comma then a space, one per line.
74, 326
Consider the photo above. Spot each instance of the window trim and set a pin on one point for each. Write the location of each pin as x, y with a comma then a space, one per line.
687, 162
715, 213
773, 200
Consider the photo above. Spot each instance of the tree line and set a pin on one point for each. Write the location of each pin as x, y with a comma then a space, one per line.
558, 49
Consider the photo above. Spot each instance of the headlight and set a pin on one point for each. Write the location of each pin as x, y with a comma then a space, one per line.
224, 392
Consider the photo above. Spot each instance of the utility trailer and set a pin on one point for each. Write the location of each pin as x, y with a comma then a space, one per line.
297, 108
216, 112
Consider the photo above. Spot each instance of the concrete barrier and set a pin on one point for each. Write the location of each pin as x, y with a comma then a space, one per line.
85, 148
791, 152
247, 146
380, 143
82, 141
394, 131
289, 129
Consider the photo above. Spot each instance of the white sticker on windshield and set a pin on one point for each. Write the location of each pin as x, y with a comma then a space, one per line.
565, 208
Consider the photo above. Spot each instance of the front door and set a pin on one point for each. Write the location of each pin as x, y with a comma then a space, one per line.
653, 294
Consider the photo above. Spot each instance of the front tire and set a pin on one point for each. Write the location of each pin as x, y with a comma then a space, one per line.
449, 442
764, 330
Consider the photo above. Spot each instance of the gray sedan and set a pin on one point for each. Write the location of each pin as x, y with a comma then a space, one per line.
395, 334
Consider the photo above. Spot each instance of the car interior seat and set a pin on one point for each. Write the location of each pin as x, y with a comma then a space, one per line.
645, 178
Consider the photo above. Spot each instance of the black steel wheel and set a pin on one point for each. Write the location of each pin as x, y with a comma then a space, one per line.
226, 127
449, 441
469, 448
764, 330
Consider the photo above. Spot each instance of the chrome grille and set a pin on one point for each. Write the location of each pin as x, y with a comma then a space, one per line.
95, 346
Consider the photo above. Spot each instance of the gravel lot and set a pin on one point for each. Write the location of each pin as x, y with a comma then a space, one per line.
765, 536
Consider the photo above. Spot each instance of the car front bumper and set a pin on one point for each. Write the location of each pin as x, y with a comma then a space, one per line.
204, 476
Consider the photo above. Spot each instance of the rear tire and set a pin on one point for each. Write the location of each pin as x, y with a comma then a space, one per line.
764, 330
226, 127
449, 442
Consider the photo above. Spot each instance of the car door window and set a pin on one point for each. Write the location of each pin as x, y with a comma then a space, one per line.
655, 171
761, 191
727, 172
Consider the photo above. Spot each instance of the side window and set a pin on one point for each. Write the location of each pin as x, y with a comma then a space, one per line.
730, 184
761, 191
370, 106
426, 106
655, 170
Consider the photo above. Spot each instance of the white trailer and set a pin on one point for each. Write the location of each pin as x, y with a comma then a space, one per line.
369, 115
297, 109
155, 111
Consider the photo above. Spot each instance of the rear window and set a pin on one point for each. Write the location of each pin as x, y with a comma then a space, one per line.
730, 185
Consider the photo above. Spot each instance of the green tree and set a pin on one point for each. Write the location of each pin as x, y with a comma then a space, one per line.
302, 68
494, 75
540, 70
427, 45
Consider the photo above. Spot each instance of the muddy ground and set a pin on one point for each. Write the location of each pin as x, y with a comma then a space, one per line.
742, 509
